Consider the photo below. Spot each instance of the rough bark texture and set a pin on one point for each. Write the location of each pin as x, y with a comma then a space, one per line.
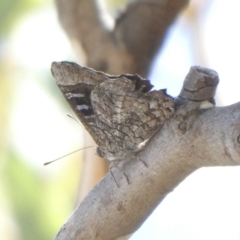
198, 135
129, 46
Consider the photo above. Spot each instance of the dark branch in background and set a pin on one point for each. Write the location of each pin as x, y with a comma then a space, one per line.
134, 41
198, 135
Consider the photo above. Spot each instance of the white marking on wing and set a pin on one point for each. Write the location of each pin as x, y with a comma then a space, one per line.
89, 116
142, 144
74, 95
82, 107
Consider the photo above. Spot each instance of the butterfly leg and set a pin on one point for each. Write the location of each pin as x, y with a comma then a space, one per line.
143, 162
112, 165
127, 179
110, 170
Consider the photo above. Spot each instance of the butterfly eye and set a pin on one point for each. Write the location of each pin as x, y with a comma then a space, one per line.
100, 153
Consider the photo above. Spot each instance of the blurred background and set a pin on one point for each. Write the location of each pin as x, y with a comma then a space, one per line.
35, 200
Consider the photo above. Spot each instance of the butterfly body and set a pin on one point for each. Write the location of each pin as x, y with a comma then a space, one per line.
120, 112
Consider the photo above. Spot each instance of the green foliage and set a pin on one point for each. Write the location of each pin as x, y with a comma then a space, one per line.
11, 10
39, 206
26, 193
34, 203
116, 3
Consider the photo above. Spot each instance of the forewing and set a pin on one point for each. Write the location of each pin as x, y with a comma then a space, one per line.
76, 84
119, 112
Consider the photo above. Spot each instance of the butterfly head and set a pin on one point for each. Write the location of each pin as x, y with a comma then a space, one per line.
102, 152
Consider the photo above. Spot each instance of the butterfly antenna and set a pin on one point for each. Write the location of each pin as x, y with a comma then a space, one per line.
47, 163
71, 116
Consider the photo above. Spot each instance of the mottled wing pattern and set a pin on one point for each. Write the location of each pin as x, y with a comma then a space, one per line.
120, 112
128, 115
76, 84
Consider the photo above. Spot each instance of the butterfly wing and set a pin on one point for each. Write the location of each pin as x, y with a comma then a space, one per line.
119, 112
128, 114
76, 84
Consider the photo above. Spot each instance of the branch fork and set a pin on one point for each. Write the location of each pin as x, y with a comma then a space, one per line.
194, 137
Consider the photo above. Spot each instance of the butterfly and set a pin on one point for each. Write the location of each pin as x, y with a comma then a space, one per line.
121, 113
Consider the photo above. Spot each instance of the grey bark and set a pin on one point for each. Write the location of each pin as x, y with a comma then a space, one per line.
198, 135
128, 47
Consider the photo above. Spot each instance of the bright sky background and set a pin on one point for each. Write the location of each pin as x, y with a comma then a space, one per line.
206, 205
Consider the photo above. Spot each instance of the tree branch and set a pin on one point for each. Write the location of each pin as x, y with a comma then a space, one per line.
198, 135
142, 28
129, 46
